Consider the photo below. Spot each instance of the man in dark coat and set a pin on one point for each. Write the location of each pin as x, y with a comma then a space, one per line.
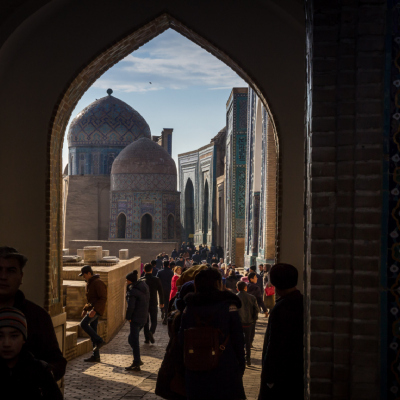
41, 341
217, 309
248, 315
174, 254
196, 257
282, 375
165, 275
96, 294
259, 282
155, 287
137, 301
254, 289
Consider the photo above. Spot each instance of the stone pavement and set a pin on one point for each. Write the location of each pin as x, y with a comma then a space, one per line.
109, 381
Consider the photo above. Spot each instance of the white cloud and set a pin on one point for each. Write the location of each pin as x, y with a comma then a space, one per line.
169, 62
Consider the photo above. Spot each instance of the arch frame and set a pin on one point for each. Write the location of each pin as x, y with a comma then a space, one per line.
126, 220
152, 225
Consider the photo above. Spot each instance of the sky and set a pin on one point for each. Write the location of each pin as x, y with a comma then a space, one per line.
188, 91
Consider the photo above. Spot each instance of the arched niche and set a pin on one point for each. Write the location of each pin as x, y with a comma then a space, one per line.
121, 226
189, 210
146, 227
171, 226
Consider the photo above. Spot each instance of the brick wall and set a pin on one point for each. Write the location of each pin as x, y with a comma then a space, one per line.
146, 250
344, 123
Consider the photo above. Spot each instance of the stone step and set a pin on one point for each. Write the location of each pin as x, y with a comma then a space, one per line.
73, 326
83, 346
70, 339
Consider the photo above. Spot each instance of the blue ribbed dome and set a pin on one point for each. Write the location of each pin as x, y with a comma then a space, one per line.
107, 122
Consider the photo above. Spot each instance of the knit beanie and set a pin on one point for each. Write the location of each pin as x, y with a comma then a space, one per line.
11, 317
132, 276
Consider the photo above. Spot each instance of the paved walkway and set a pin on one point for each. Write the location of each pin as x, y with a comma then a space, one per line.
109, 381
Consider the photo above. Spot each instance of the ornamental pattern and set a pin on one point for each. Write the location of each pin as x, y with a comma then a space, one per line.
107, 121
143, 182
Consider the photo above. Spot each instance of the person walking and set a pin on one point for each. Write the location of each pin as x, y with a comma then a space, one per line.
282, 371
254, 289
231, 281
165, 275
137, 311
174, 288
155, 287
248, 316
269, 301
217, 311
96, 295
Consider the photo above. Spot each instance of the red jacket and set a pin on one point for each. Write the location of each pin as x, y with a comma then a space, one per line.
174, 289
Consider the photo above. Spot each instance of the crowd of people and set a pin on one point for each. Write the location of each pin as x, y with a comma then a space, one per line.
211, 311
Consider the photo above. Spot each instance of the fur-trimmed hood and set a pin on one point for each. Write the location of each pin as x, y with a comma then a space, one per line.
217, 296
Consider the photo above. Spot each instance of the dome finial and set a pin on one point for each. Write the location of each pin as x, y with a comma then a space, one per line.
109, 91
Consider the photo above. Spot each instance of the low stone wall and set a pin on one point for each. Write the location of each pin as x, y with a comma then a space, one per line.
147, 251
114, 278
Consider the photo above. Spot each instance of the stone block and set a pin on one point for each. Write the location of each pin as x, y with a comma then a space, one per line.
81, 253
105, 253
123, 254
65, 252
92, 253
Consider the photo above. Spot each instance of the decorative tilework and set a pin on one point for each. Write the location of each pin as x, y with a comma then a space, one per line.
241, 149
241, 104
170, 205
107, 121
240, 192
152, 182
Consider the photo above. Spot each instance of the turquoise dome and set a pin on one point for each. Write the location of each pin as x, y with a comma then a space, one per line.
107, 122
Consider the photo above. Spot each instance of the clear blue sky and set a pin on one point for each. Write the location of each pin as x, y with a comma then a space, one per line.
188, 91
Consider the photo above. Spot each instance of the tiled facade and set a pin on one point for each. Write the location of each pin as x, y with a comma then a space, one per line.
235, 175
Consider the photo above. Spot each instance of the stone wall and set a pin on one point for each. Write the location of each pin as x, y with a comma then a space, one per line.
344, 124
87, 207
146, 250
114, 278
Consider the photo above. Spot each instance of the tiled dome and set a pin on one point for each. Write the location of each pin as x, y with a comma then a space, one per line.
107, 121
144, 165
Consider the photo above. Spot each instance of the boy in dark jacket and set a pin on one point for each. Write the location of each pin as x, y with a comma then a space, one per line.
21, 375
248, 315
137, 300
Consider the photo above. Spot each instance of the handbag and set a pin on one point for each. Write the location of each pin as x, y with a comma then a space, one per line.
270, 291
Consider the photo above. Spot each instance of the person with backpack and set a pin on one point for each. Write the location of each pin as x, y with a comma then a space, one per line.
248, 315
212, 338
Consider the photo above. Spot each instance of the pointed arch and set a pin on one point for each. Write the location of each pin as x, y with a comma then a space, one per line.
146, 227
171, 226
121, 226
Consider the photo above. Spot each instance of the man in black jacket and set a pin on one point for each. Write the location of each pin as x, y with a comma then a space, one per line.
165, 275
155, 286
42, 341
248, 315
282, 359
137, 311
